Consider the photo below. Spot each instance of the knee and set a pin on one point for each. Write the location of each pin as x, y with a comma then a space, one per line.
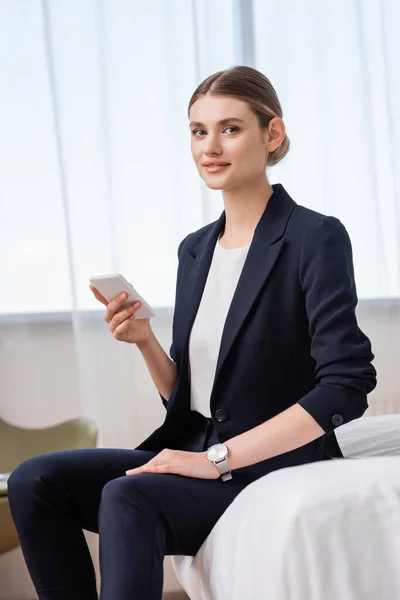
113, 492
127, 490
28, 474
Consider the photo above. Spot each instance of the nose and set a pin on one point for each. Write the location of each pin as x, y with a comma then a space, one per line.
213, 145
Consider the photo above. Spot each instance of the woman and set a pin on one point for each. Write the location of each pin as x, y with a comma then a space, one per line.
267, 360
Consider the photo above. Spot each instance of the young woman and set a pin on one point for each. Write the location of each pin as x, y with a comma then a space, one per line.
267, 360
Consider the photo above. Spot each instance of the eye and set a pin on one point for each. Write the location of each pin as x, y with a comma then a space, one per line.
232, 127
195, 131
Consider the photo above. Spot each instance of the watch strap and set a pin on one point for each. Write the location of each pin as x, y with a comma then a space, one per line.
224, 470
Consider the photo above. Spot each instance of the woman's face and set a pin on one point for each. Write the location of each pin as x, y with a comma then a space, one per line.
241, 143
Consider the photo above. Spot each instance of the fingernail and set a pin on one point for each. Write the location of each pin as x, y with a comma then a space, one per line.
122, 296
137, 304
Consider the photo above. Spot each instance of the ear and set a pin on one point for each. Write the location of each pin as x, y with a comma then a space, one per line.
275, 134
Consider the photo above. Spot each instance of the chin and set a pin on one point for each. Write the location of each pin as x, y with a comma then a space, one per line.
214, 186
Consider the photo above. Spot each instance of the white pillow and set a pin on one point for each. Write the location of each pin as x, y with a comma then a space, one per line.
370, 436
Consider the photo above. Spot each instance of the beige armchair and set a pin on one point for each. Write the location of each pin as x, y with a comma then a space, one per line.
18, 444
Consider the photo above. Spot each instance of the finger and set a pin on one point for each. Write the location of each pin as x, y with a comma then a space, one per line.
98, 296
114, 306
143, 469
150, 466
132, 471
120, 317
164, 468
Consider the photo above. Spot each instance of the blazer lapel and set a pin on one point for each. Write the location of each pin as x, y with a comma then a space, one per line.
195, 272
263, 252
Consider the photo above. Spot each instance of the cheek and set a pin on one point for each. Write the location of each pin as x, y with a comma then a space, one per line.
241, 148
249, 156
195, 151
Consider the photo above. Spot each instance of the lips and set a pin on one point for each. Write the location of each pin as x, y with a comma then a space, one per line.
215, 167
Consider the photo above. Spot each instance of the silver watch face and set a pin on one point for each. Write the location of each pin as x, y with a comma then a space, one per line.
217, 452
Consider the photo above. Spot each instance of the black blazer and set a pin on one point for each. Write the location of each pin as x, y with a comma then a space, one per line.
291, 333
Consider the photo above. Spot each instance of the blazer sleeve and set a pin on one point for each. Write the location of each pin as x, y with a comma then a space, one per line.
172, 351
341, 351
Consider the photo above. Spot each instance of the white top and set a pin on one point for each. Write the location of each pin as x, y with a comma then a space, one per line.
205, 337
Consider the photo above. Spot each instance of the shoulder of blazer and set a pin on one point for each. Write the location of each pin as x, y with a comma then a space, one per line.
191, 240
304, 220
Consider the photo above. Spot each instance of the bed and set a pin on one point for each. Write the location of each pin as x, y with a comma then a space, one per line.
327, 530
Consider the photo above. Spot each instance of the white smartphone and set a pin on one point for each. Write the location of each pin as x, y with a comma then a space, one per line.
112, 285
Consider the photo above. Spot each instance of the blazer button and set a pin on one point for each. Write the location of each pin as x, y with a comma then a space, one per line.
221, 415
337, 420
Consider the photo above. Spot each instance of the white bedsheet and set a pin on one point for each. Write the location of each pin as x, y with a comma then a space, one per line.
322, 531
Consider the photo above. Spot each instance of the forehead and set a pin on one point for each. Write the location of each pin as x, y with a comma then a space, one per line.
211, 109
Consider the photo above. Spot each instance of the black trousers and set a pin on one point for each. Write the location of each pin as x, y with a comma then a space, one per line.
139, 518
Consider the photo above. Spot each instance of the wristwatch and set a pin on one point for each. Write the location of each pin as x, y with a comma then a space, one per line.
218, 454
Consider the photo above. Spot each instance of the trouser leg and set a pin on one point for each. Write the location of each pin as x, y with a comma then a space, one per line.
141, 519
146, 516
52, 497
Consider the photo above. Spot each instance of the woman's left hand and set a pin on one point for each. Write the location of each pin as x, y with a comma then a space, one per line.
179, 462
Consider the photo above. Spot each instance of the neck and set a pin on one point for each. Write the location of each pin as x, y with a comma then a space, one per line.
243, 210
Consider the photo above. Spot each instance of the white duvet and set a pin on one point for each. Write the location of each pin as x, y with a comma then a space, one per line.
322, 531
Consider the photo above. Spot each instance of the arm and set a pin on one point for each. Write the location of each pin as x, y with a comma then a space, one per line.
162, 369
291, 429
342, 353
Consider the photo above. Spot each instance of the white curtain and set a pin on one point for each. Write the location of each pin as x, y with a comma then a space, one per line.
97, 176
336, 67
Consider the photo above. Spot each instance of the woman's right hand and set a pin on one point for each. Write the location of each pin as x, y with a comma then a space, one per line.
122, 323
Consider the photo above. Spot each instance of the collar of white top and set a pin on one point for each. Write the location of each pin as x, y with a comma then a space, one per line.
232, 249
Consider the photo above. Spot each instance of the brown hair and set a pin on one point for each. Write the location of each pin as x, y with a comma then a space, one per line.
254, 88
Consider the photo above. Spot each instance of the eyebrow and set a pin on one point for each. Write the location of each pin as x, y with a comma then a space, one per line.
222, 122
